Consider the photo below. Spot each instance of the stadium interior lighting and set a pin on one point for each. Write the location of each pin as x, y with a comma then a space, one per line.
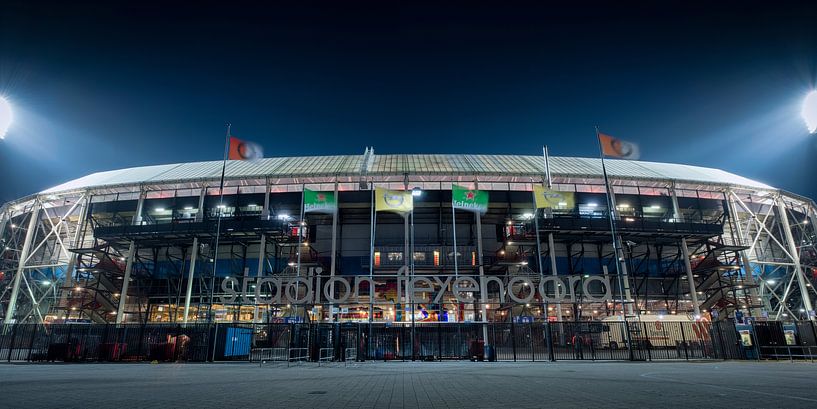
6, 117
416, 192
592, 204
809, 111
160, 209
46, 282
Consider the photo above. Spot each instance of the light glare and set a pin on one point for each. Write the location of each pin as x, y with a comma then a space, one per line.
809, 112
6, 117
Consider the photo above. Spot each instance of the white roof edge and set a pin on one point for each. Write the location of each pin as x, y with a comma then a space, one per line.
567, 166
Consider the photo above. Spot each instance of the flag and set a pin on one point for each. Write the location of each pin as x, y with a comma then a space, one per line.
399, 201
241, 149
469, 199
616, 148
552, 199
320, 202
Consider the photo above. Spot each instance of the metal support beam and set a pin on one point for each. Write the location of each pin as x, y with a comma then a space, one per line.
555, 271
200, 212
193, 256
749, 274
795, 255
137, 217
72, 260
18, 276
693, 291
265, 210
123, 296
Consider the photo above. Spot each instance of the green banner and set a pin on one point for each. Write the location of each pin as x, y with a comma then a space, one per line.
319, 202
469, 199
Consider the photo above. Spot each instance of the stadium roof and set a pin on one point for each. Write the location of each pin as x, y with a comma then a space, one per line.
423, 165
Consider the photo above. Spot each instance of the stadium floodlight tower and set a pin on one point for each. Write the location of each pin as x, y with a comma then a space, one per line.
6, 117
809, 112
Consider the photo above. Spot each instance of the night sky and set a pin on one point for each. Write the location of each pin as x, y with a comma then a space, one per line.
100, 87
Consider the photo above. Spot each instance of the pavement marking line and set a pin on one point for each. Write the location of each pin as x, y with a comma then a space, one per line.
651, 375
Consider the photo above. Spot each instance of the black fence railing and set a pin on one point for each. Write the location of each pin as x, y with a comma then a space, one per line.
509, 341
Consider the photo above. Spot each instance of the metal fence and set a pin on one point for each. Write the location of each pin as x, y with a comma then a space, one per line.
509, 341
91, 342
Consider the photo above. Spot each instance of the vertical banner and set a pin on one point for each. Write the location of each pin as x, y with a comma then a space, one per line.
320, 202
397, 201
469, 199
552, 199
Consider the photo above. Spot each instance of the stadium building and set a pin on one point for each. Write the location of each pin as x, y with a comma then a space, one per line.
301, 240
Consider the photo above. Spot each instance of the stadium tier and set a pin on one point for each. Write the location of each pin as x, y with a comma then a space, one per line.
407, 238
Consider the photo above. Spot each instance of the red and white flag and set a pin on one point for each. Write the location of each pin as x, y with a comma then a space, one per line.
617, 148
242, 150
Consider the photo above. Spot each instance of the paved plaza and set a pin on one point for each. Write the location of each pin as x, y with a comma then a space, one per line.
412, 385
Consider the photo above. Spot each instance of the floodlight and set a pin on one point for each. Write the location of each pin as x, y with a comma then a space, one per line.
6, 117
809, 112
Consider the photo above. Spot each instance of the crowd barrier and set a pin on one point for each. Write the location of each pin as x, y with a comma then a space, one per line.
295, 343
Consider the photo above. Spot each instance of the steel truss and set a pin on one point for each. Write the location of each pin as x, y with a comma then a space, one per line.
780, 237
765, 260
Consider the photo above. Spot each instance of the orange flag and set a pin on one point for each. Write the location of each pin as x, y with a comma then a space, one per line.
617, 148
241, 149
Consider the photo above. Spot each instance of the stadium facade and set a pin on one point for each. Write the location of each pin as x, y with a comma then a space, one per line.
160, 244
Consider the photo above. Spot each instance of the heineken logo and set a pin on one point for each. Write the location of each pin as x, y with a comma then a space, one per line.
469, 199
319, 201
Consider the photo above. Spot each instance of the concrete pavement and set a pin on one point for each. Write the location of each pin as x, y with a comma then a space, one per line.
412, 385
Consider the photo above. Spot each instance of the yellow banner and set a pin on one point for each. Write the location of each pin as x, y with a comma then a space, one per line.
553, 199
399, 201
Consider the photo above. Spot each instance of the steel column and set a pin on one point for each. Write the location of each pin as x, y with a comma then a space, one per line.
554, 271
693, 291
193, 256
744, 257
18, 276
795, 255
72, 261
200, 212
123, 296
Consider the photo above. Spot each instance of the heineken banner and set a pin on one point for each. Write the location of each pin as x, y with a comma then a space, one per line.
398, 201
320, 202
552, 199
469, 199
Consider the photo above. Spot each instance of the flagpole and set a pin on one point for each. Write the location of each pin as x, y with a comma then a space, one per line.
552, 253
616, 245
300, 238
334, 250
371, 264
454, 229
219, 210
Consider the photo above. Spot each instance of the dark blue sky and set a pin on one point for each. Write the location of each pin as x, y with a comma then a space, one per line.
99, 87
